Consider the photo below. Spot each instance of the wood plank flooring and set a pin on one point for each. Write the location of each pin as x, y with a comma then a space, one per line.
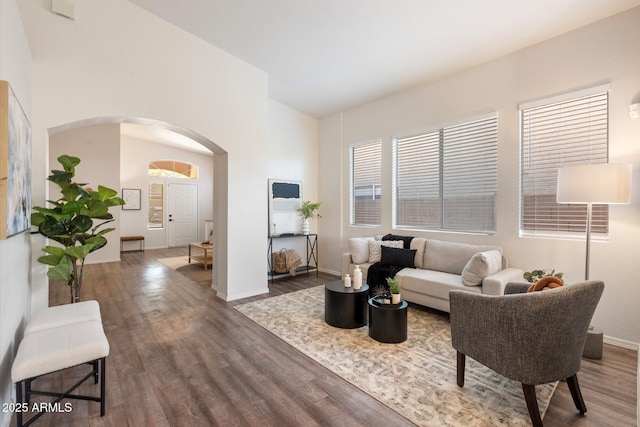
180, 356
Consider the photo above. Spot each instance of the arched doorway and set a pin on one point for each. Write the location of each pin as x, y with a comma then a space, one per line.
97, 143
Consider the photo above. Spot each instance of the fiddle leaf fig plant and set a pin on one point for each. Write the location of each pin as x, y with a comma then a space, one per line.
70, 222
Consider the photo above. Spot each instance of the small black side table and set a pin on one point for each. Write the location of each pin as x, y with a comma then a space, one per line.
388, 322
345, 307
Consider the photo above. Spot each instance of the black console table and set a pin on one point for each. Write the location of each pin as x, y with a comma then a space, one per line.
311, 254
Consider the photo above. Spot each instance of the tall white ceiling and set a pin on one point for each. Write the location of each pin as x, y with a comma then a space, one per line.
324, 56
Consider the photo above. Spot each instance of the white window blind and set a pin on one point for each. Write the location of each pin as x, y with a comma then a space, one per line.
418, 181
563, 133
365, 189
447, 179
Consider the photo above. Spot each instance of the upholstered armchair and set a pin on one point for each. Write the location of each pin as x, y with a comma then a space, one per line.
533, 338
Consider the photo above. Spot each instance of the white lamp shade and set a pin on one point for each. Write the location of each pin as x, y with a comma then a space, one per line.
608, 183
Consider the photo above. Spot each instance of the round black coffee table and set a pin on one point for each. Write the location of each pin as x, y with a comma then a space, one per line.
388, 322
345, 307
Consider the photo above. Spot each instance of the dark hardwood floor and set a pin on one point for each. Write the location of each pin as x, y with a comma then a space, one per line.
180, 356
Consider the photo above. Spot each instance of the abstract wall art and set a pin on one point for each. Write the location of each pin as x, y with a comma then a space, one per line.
15, 165
285, 198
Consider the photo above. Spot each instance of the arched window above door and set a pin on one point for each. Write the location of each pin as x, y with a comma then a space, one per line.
173, 169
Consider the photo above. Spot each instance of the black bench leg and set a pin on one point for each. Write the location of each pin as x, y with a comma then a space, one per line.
19, 400
27, 391
103, 365
95, 372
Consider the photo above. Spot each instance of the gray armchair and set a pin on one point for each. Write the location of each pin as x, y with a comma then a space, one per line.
533, 338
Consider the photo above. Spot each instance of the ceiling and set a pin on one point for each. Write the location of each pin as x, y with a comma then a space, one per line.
324, 56
161, 135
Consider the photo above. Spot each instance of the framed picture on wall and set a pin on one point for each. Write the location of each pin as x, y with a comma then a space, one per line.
15, 165
285, 198
131, 197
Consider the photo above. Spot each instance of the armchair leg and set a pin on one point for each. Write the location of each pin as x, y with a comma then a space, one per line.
532, 404
574, 388
461, 359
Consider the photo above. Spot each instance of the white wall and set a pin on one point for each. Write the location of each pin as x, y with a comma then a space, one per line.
15, 253
292, 155
605, 52
98, 148
135, 156
117, 60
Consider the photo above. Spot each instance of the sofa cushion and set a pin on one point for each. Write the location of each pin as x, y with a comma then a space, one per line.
418, 244
451, 257
481, 265
375, 251
398, 257
359, 248
406, 239
433, 283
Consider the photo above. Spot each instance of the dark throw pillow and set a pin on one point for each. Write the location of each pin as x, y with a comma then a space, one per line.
405, 239
399, 257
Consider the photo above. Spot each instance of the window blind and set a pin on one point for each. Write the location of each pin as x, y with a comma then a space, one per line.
574, 131
365, 190
418, 181
447, 179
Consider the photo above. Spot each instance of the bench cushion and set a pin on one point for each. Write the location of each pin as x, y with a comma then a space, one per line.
51, 350
62, 315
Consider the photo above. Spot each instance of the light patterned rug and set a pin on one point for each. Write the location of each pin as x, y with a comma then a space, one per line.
417, 378
194, 270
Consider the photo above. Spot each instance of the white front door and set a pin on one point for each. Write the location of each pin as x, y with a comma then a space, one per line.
182, 212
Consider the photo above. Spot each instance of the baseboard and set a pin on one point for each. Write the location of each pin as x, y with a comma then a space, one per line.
234, 297
621, 343
333, 272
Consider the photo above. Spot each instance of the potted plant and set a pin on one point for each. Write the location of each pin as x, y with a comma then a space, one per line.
535, 275
308, 211
394, 288
70, 222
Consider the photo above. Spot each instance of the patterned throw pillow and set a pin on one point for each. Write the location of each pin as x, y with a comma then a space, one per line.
375, 251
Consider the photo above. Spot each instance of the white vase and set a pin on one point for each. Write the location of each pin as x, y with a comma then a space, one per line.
306, 227
395, 298
357, 277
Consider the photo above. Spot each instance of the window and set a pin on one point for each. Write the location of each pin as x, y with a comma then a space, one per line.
446, 179
156, 204
365, 190
173, 169
555, 134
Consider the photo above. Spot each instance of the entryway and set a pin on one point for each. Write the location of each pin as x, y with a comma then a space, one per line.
182, 213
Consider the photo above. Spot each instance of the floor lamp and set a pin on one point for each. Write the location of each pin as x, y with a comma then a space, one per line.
604, 183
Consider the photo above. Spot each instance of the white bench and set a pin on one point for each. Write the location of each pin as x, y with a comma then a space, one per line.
63, 315
59, 338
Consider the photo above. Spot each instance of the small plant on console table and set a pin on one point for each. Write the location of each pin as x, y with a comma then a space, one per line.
70, 222
307, 211
394, 288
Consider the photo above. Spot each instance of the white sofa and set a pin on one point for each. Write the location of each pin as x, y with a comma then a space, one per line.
439, 268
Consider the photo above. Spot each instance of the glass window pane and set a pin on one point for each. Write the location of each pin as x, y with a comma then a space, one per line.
156, 204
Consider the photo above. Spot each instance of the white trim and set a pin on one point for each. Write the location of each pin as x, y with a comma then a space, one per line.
621, 343
565, 96
332, 272
242, 295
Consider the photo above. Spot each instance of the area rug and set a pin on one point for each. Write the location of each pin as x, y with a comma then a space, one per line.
193, 271
417, 378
